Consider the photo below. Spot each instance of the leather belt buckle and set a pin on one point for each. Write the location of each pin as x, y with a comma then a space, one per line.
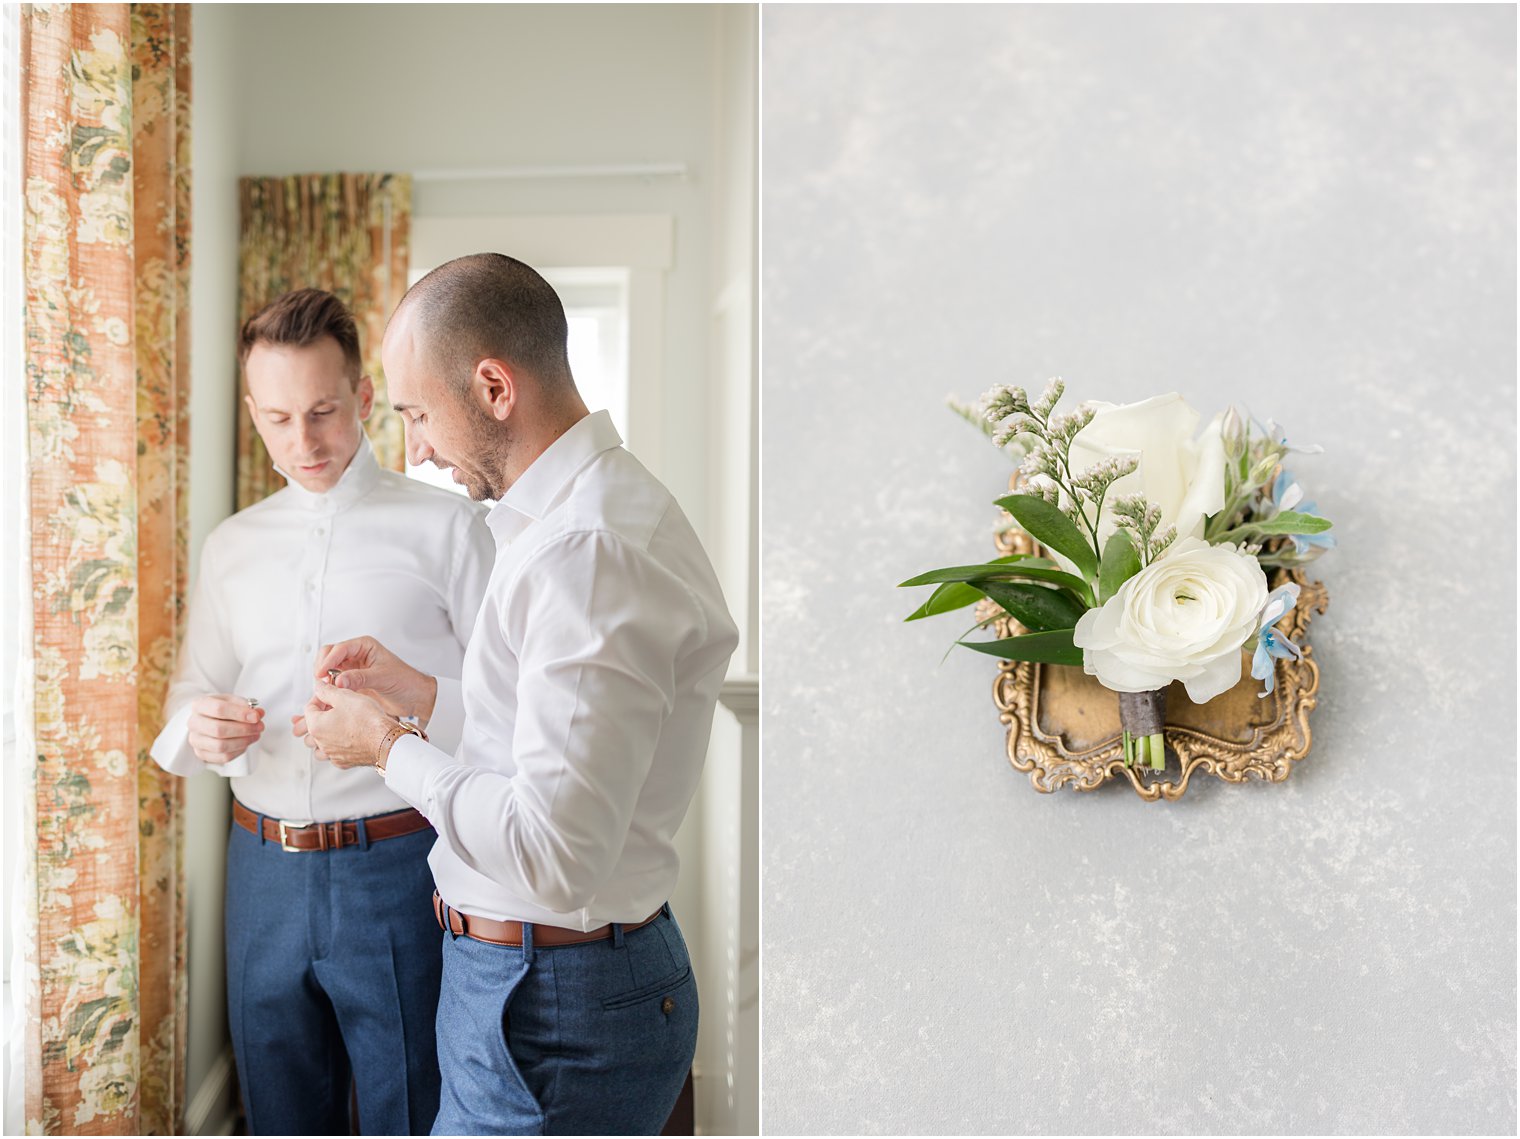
285, 827
295, 835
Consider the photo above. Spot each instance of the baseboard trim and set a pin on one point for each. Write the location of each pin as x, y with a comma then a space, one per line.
213, 1108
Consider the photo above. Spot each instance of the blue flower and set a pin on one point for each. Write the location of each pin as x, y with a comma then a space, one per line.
1277, 435
1286, 494
1270, 643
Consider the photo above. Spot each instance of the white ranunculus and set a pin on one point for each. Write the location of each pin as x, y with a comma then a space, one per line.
1181, 474
1184, 617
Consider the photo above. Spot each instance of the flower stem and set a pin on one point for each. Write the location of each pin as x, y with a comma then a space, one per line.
1213, 534
1158, 751
1129, 750
1070, 485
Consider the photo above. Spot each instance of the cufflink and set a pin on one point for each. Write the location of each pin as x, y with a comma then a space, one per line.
253, 701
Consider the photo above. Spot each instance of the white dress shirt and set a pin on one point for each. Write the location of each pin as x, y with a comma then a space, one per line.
588, 692
379, 554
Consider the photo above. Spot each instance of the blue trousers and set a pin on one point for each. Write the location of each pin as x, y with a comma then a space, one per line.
589, 1039
332, 972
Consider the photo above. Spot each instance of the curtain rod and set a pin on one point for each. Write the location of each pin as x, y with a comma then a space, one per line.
520, 173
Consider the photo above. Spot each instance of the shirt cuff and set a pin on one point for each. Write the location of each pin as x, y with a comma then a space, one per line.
445, 727
172, 751
237, 768
410, 766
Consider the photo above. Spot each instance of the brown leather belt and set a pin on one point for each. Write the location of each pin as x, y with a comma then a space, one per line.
330, 836
511, 932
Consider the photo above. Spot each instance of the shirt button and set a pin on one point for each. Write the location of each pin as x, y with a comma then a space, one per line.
312, 585
306, 648
321, 530
668, 1005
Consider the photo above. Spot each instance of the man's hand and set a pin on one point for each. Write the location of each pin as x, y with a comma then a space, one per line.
298, 729
365, 665
345, 728
222, 727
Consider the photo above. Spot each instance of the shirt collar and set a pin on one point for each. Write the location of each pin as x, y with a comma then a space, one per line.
539, 488
360, 477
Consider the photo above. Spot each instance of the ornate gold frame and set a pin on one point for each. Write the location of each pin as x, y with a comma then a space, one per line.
1063, 726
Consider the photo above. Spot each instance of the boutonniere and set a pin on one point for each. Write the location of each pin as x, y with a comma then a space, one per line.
1156, 539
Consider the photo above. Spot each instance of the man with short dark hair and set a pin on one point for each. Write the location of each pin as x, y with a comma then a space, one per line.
568, 1002
332, 954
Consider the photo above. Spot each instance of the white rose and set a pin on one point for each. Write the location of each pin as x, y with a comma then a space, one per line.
1182, 475
1184, 617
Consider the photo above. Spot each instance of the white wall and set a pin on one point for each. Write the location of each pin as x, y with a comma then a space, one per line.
730, 823
213, 392
408, 88
304, 88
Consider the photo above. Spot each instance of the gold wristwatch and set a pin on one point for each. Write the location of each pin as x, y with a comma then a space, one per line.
399, 729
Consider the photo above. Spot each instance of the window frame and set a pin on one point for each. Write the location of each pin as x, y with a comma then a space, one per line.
642, 245
15, 584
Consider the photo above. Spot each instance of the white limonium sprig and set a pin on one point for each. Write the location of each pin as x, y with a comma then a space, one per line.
1046, 467
1131, 512
972, 414
1096, 480
1040, 461
1054, 390
1001, 401
1065, 427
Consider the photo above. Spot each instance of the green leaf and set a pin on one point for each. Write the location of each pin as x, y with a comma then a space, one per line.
950, 596
1288, 522
1044, 648
1036, 607
1052, 529
998, 568
1024, 571
1056, 577
1292, 522
979, 625
1120, 563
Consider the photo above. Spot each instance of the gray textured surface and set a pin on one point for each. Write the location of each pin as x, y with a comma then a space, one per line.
1308, 210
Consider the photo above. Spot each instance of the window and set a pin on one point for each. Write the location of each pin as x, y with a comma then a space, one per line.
596, 309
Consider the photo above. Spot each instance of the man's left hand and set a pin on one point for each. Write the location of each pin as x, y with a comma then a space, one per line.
345, 727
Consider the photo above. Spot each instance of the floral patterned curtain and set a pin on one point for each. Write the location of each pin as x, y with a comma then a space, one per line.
105, 108
349, 234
